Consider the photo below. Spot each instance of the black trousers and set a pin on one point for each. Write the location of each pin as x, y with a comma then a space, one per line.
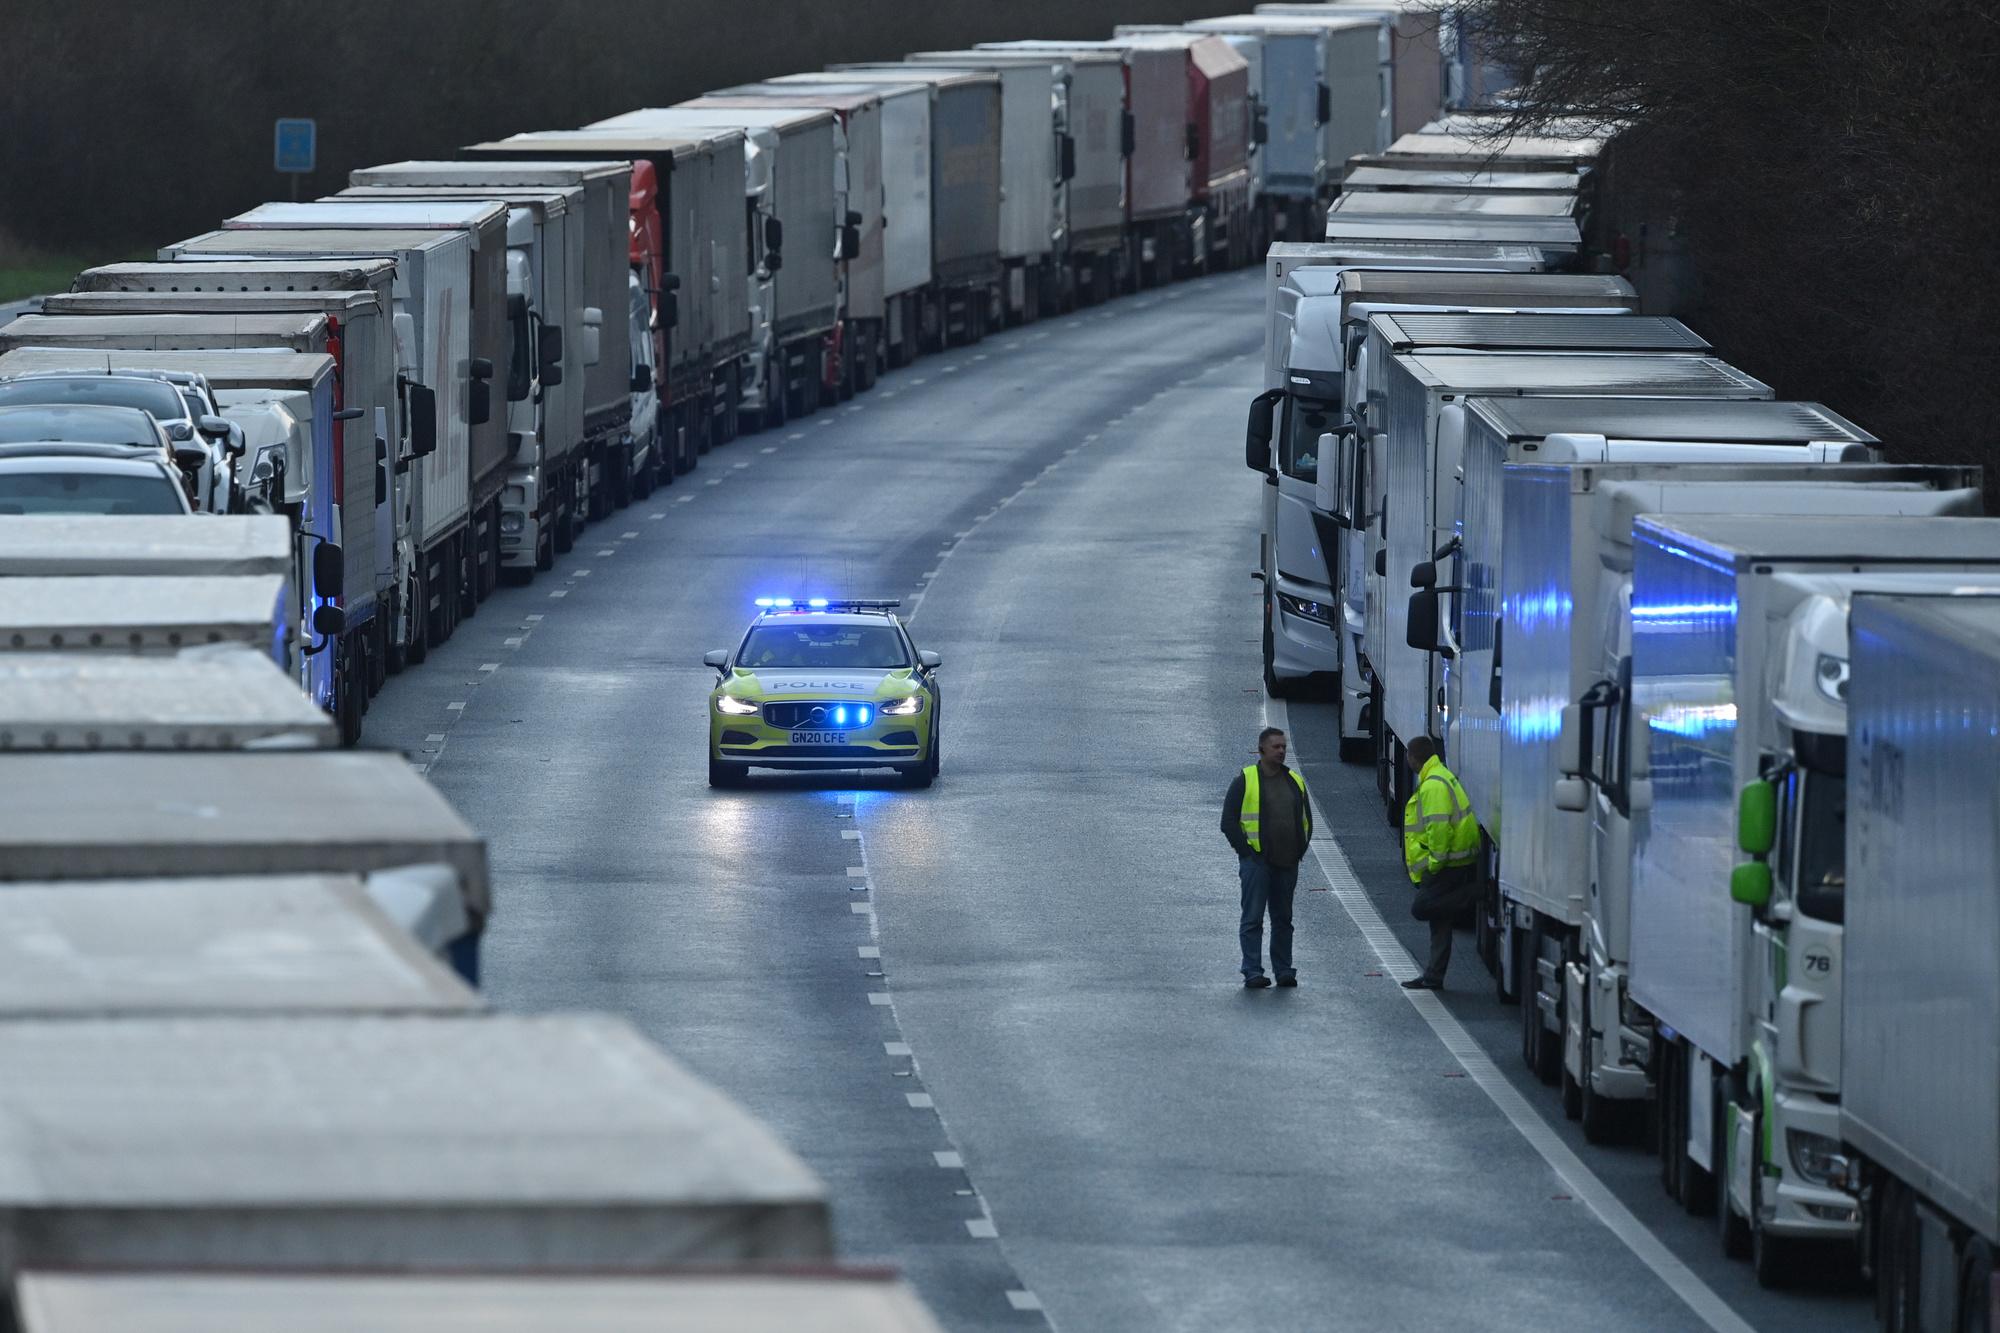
1440, 898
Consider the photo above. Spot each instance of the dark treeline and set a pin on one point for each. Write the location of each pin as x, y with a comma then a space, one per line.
1832, 167
130, 124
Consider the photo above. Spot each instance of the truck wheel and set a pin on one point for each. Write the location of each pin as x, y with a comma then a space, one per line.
469, 579
774, 393
721, 773
1599, 1115
1731, 1227
419, 622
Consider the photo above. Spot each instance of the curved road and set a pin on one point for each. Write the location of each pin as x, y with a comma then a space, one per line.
1001, 1017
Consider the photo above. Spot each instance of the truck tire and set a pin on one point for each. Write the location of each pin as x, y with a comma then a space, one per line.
774, 393
418, 643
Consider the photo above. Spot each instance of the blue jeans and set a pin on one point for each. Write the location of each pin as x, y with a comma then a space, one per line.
1266, 888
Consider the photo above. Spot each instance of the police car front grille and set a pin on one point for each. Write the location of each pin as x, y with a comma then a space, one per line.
793, 714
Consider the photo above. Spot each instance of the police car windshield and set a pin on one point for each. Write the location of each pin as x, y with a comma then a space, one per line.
814, 647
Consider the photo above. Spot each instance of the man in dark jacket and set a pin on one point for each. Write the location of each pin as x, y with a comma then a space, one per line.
1267, 818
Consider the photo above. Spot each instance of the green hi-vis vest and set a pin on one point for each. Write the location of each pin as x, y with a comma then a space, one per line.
1253, 795
1440, 831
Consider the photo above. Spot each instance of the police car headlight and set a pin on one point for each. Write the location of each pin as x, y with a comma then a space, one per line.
908, 706
731, 706
1305, 610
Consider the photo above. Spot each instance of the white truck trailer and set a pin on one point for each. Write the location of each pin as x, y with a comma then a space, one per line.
428, 495
223, 697
1092, 194
1919, 988
346, 1142
1415, 424
517, 1302
548, 482
300, 944
1738, 639
113, 614
1315, 527
358, 298
137, 815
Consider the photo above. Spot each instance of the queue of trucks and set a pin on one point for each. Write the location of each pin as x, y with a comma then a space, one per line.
1667, 629
326, 431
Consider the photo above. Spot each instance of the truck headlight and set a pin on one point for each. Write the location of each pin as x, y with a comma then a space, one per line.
1317, 612
1817, 1158
511, 523
731, 706
907, 706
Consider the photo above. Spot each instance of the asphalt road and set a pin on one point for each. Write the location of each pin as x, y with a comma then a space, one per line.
1001, 1017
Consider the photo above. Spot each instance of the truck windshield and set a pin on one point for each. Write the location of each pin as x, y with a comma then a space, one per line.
87, 493
1306, 419
813, 647
1823, 848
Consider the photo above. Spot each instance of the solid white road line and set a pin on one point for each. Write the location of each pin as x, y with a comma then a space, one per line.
1584, 1183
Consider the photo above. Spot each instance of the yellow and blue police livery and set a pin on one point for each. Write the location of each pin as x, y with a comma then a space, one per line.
822, 682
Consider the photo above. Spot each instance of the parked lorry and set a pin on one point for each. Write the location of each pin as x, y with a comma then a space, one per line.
1092, 193
691, 242
965, 195
428, 490
1737, 644
126, 815
858, 342
1409, 57
458, 513
548, 469
358, 1142
222, 697
368, 435
1159, 183
1393, 174
82, 1301
1322, 104
299, 331
1216, 231
1917, 1069
199, 948
1031, 174
1413, 452
1316, 534
802, 153
341, 623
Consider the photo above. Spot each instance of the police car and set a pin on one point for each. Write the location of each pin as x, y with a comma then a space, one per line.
823, 683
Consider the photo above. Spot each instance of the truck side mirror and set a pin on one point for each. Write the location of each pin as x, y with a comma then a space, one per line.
423, 420
1257, 435
593, 334
1572, 740
670, 310
517, 307
1128, 135
328, 621
850, 242
1193, 142
774, 235
1424, 574
1068, 172
1260, 124
1639, 795
642, 378
1571, 795
328, 570
1422, 631
1757, 818
773, 260
1382, 563
1325, 109
549, 350
1750, 884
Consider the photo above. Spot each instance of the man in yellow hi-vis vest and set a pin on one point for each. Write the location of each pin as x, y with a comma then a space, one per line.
1268, 820
1441, 852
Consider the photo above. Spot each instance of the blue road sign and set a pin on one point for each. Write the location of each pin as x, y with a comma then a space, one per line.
294, 145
